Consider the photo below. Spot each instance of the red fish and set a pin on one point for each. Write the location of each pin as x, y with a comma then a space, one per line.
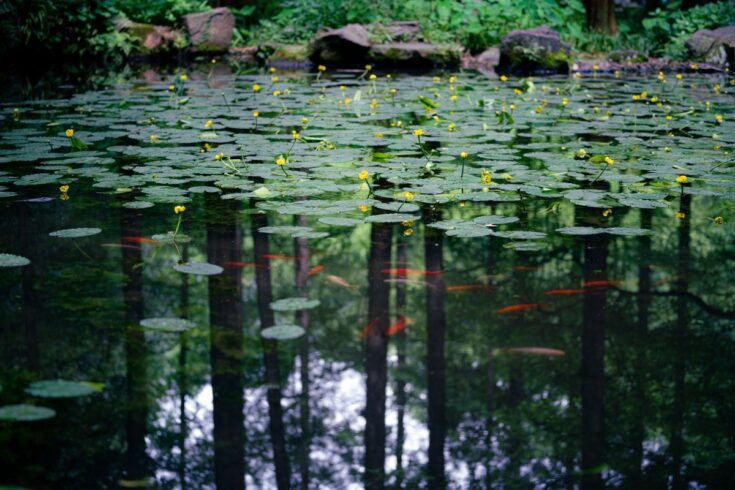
470, 287
120, 245
338, 281
406, 272
525, 268
315, 270
238, 263
368, 329
600, 284
278, 257
564, 292
138, 239
540, 351
520, 307
398, 326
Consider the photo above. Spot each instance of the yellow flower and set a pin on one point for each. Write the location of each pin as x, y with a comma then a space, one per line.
580, 154
577, 75
660, 76
322, 68
644, 95
681, 179
399, 123
363, 175
407, 223
276, 93
680, 215
718, 120
408, 196
451, 127
393, 91
214, 61
348, 100
669, 117
609, 160
636, 97
154, 138
274, 79
463, 154
718, 220
503, 78
418, 132
564, 102
256, 87
679, 76
512, 107
304, 121
256, 114
295, 135
219, 156
272, 69
436, 119
607, 212
538, 109
342, 88
517, 91
208, 124
281, 161
368, 67
179, 209
206, 147
363, 207
374, 104
378, 135
171, 88
183, 78
64, 188
485, 177
595, 67
373, 77
693, 66
453, 98
69, 133
436, 79
408, 232
64, 196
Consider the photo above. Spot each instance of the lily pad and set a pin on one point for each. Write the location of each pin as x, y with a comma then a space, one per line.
294, 304
60, 388
25, 413
75, 232
282, 332
10, 260
199, 268
168, 324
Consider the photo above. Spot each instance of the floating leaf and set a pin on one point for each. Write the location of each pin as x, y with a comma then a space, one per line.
282, 332
25, 413
580, 230
59, 388
294, 304
75, 232
199, 268
10, 260
337, 221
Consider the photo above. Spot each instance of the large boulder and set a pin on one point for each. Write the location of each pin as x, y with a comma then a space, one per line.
210, 31
151, 39
346, 45
415, 54
716, 46
537, 50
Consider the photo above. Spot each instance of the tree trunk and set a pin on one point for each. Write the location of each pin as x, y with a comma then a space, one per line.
601, 16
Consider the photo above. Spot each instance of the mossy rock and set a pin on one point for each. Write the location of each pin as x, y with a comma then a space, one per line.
537, 50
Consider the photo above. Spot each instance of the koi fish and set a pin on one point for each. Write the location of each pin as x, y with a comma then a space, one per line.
525, 268
520, 307
565, 292
600, 284
237, 263
470, 287
406, 272
338, 281
368, 329
277, 257
139, 239
315, 270
539, 351
397, 326
120, 245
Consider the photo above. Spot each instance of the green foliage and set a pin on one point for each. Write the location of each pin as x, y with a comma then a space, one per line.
668, 29
157, 11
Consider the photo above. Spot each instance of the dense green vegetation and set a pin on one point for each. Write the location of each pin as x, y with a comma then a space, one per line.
69, 27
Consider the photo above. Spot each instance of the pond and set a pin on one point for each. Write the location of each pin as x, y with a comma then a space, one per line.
229, 278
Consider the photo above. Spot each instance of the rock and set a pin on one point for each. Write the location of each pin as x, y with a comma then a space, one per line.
396, 32
346, 45
489, 57
210, 31
625, 56
244, 53
415, 54
537, 50
716, 46
152, 39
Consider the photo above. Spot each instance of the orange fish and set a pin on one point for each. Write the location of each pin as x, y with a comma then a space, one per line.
564, 292
525, 268
315, 270
237, 263
368, 329
600, 284
405, 272
278, 257
540, 351
398, 326
120, 245
138, 239
520, 307
338, 281
471, 287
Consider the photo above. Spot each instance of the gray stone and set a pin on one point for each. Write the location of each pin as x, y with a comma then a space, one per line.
713, 46
151, 39
210, 31
537, 50
415, 54
346, 45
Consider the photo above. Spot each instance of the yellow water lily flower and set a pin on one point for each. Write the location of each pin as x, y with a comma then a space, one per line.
281, 161
718, 220
256, 87
321, 68
503, 78
607, 212
680, 215
463, 154
418, 132
63, 189
256, 114
681, 179
179, 209
69, 133
485, 177
609, 160
363, 207
408, 196
219, 156
183, 78
363, 175
208, 124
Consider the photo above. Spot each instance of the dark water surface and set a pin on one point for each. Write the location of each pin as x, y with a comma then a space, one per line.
584, 340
